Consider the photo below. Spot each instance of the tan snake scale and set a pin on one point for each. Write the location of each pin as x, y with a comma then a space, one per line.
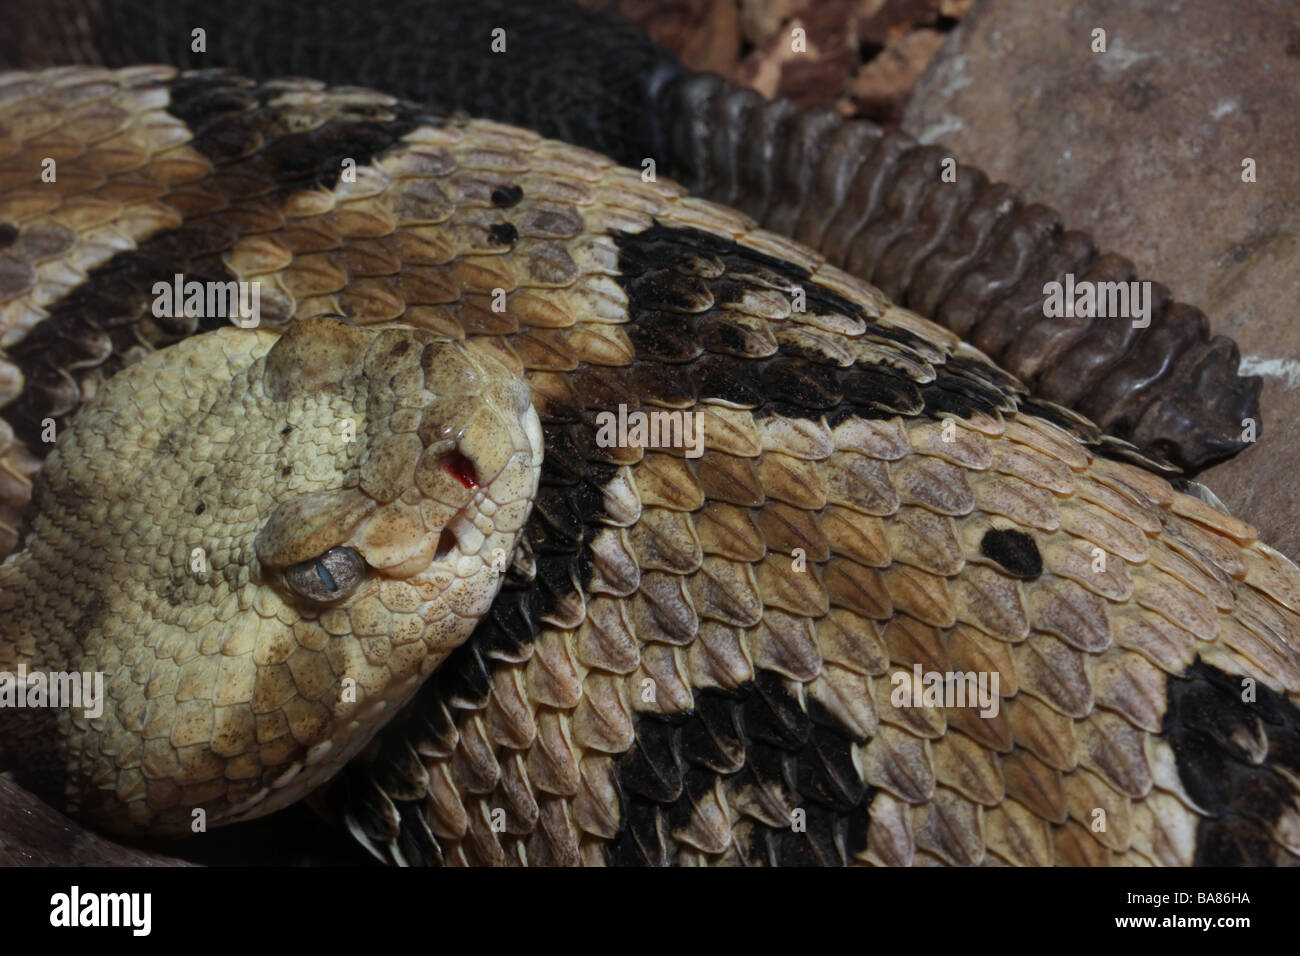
688, 659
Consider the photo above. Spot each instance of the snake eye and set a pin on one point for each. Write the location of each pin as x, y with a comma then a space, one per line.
328, 578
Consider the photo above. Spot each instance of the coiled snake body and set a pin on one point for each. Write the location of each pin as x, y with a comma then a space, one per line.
265, 539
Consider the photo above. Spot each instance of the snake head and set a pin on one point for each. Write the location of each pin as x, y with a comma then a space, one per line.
390, 568
267, 566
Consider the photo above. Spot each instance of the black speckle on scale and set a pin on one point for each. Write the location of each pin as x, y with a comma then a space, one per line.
503, 197
1014, 551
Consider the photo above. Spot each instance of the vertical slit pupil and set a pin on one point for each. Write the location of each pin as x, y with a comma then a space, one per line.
326, 578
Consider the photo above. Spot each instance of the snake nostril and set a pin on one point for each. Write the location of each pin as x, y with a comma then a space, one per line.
446, 541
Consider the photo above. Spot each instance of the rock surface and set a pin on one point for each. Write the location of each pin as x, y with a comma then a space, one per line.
1143, 145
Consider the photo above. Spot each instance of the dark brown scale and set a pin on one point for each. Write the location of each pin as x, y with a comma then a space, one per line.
1079, 427
432, 721
821, 844
560, 578
560, 518
416, 842
373, 810
645, 839
773, 715
983, 261
652, 769
599, 387
767, 764
825, 772
569, 466
507, 633
998, 384
1205, 722
877, 394
960, 396
800, 384
465, 678
718, 334
728, 379
664, 336
400, 772
696, 784
713, 738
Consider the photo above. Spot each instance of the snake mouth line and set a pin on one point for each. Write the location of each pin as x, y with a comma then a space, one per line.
446, 541
460, 533
462, 468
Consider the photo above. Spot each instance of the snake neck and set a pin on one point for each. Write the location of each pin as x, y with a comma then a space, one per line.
18, 643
